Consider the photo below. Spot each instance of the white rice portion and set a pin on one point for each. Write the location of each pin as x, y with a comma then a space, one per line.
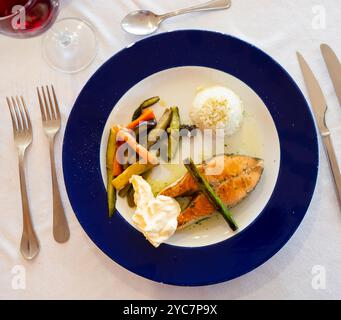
217, 108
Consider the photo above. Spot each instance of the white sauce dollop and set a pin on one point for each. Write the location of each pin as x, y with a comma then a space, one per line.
155, 217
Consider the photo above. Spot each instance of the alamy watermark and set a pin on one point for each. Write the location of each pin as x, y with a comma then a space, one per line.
19, 20
204, 144
319, 17
18, 277
318, 281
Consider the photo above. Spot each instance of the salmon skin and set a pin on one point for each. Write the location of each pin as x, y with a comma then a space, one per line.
238, 176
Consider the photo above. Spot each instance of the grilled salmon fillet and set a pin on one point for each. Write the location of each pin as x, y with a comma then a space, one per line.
238, 176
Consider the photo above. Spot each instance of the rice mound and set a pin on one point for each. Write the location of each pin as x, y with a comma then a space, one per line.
217, 108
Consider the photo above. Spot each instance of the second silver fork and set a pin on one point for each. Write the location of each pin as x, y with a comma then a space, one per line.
51, 122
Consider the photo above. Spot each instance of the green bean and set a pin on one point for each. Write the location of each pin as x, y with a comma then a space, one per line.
111, 152
130, 197
143, 128
123, 192
145, 104
174, 136
162, 125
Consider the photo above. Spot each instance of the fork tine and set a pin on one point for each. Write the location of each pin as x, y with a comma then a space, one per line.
26, 114
22, 114
13, 117
48, 113
55, 103
19, 119
41, 105
53, 114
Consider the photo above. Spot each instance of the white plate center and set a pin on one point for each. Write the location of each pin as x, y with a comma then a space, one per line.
257, 138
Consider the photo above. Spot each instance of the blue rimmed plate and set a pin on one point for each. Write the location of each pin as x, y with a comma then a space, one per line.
172, 65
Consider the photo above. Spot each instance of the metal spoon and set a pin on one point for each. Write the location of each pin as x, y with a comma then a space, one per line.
143, 22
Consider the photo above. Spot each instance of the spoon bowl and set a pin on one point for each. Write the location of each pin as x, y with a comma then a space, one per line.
144, 22
141, 22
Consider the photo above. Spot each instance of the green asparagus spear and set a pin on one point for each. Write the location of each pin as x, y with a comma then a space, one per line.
192, 129
145, 104
189, 127
206, 188
173, 130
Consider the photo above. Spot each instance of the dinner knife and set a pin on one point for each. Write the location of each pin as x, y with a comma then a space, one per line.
319, 104
334, 68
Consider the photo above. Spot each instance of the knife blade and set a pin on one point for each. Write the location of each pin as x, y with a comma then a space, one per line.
319, 104
316, 96
334, 68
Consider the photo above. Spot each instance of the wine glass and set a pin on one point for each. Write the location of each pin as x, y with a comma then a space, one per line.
27, 18
69, 45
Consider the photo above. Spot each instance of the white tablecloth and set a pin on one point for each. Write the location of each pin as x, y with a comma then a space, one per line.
78, 269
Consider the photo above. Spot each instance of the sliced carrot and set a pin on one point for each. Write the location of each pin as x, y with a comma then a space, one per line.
117, 168
146, 115
124, 135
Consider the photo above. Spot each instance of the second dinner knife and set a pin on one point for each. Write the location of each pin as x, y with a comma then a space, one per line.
319, 104
334, 68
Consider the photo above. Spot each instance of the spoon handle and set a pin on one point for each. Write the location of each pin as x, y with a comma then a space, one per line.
210, 5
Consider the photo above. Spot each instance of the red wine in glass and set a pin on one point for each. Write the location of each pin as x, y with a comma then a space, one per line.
27, 18
70, 46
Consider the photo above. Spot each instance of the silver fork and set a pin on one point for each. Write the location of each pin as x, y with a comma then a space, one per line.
22, 131
51, 122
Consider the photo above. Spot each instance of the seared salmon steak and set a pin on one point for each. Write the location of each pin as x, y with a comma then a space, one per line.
235, 177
